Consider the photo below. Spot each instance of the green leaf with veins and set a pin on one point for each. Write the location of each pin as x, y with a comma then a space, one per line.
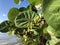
17, 1
22, 9
26, 19
35, 2
13, 12
5, 26
57, 43
53, 41
53, 32
51, 12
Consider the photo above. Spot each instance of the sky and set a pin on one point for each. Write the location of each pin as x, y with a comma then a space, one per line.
5, 5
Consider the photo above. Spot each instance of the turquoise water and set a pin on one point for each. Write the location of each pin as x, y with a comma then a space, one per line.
6, 39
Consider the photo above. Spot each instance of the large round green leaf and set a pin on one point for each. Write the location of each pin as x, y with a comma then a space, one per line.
35, 1
17, 1
25, 19
57, 43
13, 12
22, 9
51, 12
53, 32
53, 41
7, 26
4, 26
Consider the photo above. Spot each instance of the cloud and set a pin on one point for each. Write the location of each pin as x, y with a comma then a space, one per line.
0, 20
4, 14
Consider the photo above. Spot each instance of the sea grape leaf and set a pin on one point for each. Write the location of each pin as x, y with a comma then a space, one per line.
53, 32
13, 12
53, 41
22, 9
35, 2
4, 26
17, 1
51, 12
25, 19
7, 26
57, 43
